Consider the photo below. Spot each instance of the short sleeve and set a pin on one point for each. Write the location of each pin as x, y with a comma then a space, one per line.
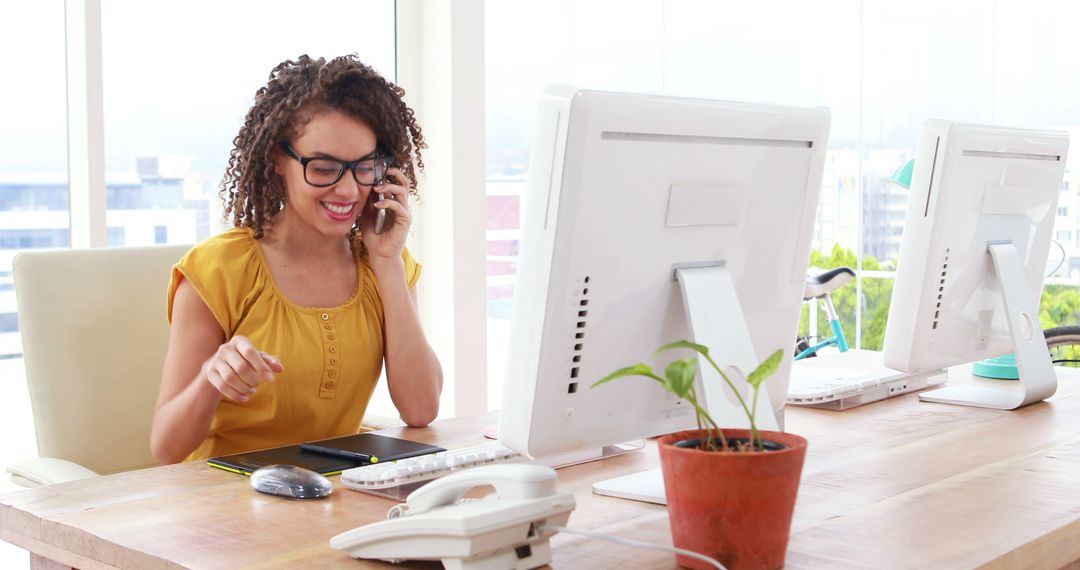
224, 271
412, 268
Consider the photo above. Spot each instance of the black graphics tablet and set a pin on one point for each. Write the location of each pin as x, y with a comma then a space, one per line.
384, 447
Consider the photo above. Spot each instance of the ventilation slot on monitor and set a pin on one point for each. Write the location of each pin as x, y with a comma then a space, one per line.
579, 334
941, 289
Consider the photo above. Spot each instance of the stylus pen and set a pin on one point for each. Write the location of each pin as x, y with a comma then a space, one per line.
338, 453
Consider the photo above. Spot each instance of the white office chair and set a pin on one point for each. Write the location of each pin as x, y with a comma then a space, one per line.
94, 335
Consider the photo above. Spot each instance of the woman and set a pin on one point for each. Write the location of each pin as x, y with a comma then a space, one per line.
279, 326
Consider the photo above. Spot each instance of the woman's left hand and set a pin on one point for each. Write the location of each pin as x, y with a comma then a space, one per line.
395, 191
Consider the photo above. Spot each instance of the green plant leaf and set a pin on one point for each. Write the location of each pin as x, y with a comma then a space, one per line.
683, 344
766, 369
639, 369
680, 377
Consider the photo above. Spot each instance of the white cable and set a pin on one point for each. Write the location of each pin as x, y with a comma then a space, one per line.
1063, 256
630, 542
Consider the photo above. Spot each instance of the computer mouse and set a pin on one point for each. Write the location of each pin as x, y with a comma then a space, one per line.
291, 481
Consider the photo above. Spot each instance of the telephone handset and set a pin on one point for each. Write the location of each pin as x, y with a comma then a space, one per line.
531, 483
499, 530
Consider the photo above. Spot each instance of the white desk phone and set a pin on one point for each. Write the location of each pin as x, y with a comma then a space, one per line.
496, 532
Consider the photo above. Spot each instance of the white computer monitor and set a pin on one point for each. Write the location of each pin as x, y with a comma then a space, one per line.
972, 257
624, 190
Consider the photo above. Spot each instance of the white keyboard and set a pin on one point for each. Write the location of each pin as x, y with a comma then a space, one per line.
405, 472
827, 382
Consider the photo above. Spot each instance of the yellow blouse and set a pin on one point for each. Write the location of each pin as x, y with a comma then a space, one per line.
332, 355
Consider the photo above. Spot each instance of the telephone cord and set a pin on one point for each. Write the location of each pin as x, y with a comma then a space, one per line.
629, 542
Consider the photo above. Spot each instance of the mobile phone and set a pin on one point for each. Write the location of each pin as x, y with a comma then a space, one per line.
383, 218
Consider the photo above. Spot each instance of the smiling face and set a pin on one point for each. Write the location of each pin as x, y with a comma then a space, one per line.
330, 210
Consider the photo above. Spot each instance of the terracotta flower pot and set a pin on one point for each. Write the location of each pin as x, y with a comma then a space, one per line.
733, 506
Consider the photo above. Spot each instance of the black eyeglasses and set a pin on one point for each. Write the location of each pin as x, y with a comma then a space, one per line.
319, 171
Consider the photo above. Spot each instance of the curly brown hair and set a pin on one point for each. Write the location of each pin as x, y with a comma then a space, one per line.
252, 192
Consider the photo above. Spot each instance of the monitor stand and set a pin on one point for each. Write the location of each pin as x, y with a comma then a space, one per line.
716, 321
1037, 378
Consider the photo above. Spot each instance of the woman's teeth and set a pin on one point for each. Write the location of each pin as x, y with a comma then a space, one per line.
336, 209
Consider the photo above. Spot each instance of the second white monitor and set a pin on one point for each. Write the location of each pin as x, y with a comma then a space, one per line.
973, 255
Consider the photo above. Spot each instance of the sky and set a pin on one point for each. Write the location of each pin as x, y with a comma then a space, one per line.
180, 76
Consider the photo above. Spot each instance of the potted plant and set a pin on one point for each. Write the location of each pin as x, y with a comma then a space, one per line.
731, 492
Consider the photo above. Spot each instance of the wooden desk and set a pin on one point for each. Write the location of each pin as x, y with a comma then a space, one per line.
895, 484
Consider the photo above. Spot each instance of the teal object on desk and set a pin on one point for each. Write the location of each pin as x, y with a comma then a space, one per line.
902, 175
999, 367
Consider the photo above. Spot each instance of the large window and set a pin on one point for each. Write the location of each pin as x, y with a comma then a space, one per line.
176, 95
881, 68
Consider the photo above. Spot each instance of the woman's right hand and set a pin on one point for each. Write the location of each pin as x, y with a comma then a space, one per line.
238, 368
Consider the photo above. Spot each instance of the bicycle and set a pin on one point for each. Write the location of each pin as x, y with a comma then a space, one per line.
820, 286
1063, 341
1064, 345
